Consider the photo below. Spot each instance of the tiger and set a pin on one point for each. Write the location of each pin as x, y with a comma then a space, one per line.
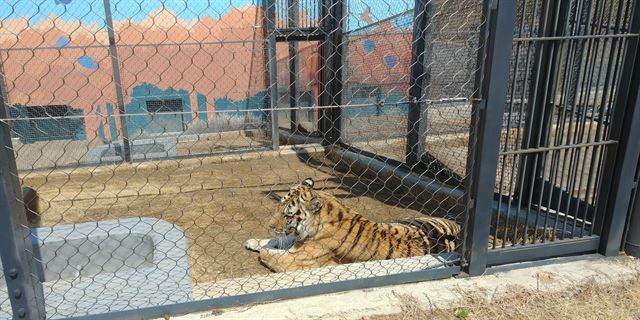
313, 229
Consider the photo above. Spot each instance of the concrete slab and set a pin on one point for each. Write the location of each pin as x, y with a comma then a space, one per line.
551, 275
97, 267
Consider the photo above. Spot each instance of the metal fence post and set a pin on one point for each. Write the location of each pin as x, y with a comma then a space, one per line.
292, 13
113, 50
331, 58
422, 30
620, 160
269, 9
631, 239
24, 287
500, 19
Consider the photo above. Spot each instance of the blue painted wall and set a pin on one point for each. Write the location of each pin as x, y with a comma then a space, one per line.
141, 122
33, 130
257, 102
113, 130
202, 107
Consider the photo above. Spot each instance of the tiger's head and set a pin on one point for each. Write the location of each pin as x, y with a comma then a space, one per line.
297, 212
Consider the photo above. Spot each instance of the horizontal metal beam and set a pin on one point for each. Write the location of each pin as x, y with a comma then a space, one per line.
536, 251
299, 34
289, 38
583, 37
291, 293
406, 177
562, 147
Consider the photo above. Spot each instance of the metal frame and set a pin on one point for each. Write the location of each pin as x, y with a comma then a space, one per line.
621, 160
292, 16
419, 75
113, 51
25, 290
331, 59
542, 250
631, 238
298, 292
496, 41
538, 124
492, 86
269, 8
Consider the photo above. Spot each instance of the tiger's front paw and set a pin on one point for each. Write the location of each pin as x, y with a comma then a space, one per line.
253, 244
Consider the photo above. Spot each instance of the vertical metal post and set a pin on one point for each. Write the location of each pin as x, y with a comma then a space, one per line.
292, 13
541, 98
422, 29
620, 160
331, 59
500, 20
25, 290
269, 9
113, 50
631, 243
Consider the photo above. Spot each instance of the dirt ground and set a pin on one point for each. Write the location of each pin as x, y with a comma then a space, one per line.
218, 203
589, 301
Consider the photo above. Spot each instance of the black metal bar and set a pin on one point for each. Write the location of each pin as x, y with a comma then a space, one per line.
298, 292
611, 82
422, 25
551, 199
269, 22
579, 37
539, 124
570, 94
601, 191
560, 147
513, 186
25, 290
292, 12
579, 137
620, 161
501, 18
331, 60
115, 63
299, 37
631, 237
541, 98
542, 250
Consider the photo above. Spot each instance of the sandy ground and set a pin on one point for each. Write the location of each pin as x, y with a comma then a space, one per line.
218, 204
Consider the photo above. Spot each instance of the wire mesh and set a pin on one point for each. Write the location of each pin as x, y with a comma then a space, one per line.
5, 304
555, 130
183, 91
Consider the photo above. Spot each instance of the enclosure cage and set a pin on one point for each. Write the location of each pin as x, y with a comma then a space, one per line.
160, 135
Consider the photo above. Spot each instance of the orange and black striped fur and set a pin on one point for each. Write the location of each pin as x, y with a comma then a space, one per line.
323, 232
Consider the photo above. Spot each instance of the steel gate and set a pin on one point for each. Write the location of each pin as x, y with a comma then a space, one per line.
566, 162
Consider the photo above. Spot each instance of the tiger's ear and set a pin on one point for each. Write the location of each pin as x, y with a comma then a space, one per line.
308, 182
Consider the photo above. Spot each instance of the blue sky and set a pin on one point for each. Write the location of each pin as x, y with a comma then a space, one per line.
92, 11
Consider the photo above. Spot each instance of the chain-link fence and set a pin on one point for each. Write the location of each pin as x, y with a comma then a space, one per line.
189, 155
147, 131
